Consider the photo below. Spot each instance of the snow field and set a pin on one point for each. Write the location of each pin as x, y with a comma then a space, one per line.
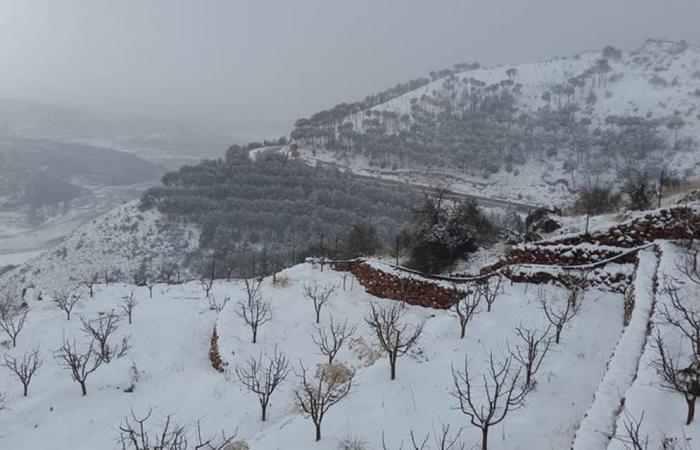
171, 334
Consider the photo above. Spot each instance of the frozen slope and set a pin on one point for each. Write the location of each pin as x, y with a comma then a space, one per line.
171, 334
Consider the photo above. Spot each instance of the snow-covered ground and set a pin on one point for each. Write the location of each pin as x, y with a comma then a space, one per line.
120, 240
662, 413
171, 334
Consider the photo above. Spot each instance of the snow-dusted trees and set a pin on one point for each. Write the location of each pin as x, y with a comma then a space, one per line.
24, 368
685, 381
135, 433
530, 350
487, 402
12, 318
466, 307
263, 377
253, 310
66, 300
80, 363
331, 340
394, 335
127, 306
319, 295
315, 396
101, 330
558, 312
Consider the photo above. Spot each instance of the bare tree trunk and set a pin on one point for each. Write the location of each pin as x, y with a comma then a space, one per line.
484, 438
83, 388
392, 363
691, 411
263, 407
318, 432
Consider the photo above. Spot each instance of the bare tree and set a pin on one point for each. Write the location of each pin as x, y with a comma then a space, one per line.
330, 341
442, 439
89, 281
101, 330
24, 368
319, 295
490, 288
315, 396
107, 276
12, 320
66, 300
262, 378
466, 308
218, 305
393, 335
681, 316
631, 436
688, 265
531, 350
556, 314
128, 304
207, 284
684, 381
80, 364
501, 392
134, 434
253, 310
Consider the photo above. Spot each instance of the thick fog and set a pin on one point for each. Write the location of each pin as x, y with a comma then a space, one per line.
254, 66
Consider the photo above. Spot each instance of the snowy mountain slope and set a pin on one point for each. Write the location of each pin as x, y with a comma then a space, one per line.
659, 81
170, 336
119, 242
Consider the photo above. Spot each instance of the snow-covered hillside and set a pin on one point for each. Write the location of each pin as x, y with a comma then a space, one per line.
660, 80
171, 333
117, 243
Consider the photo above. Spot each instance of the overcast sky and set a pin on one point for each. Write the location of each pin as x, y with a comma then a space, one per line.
255, 66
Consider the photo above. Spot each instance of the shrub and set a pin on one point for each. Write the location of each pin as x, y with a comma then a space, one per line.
597, 200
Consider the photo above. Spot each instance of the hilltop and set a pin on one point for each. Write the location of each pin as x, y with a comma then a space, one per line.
535, 132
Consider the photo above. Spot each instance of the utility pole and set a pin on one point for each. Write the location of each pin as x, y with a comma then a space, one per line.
398, 243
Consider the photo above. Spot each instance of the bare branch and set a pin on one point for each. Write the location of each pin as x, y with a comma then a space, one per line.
12, 318
501, 392
66, 300
319, 295
253, 310
467, 307
80, 364
128, 304
330, 341
557, 314
683, 381
25, 368
262, 378
100, 330
315, 396
393, 335
530, 352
